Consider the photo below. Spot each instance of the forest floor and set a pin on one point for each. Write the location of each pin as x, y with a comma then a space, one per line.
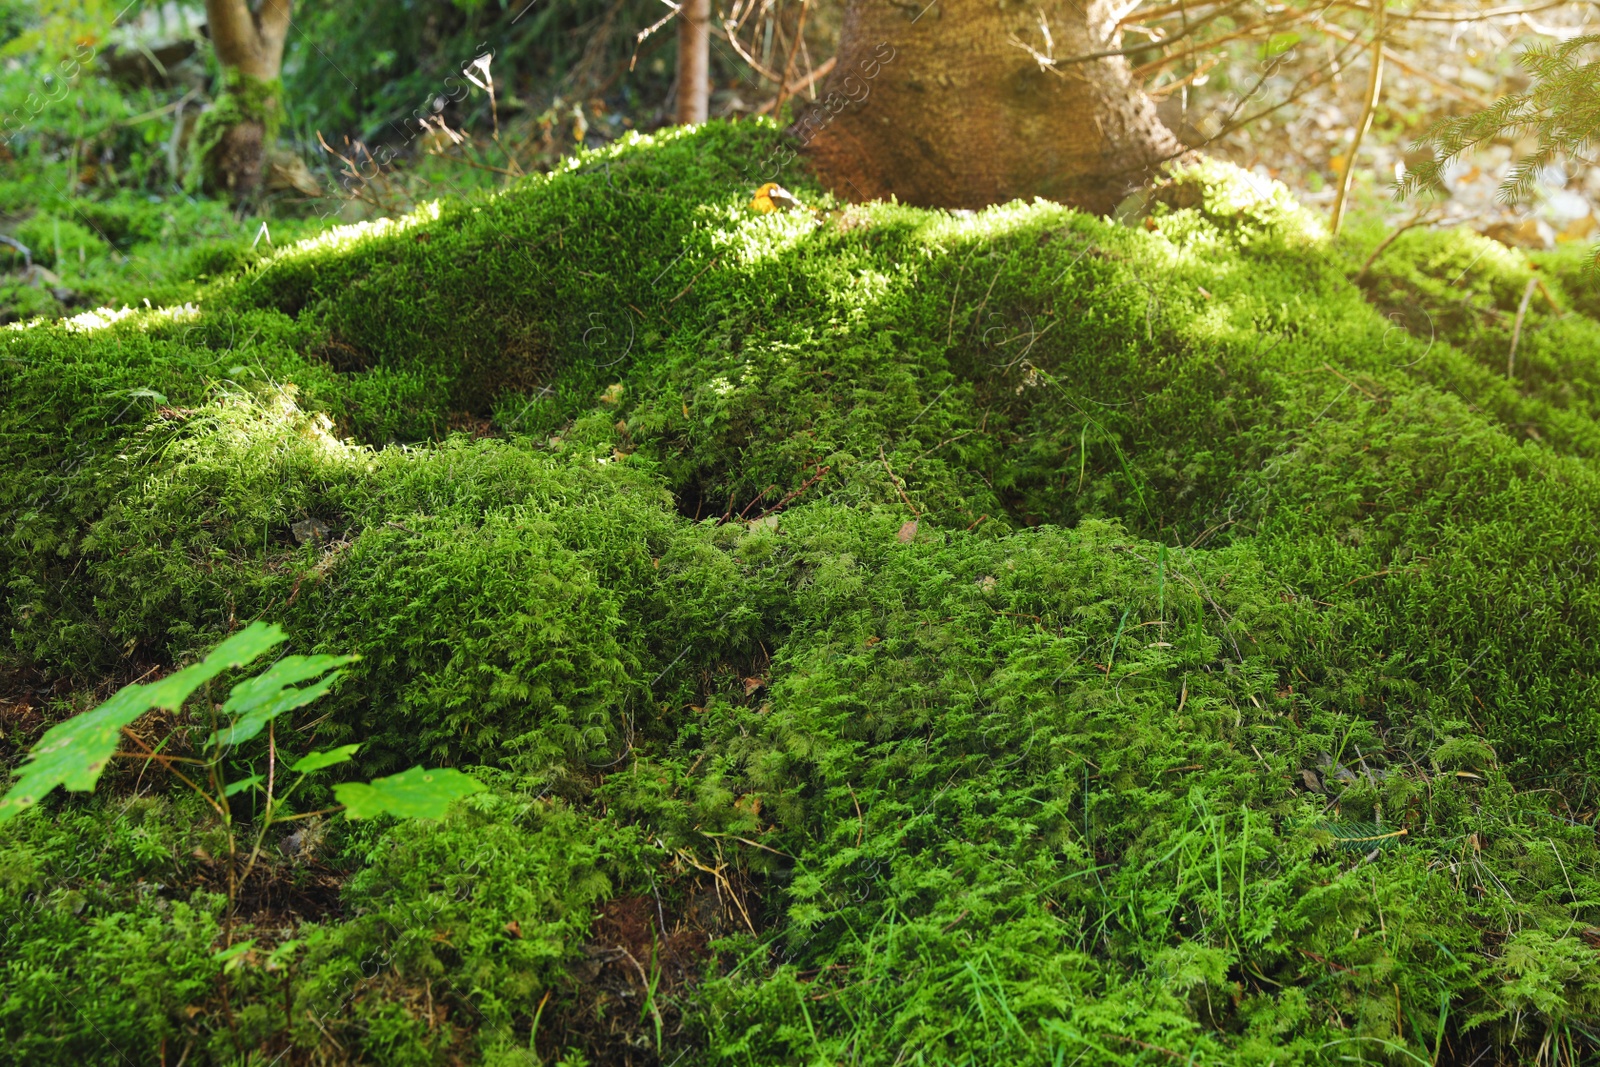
888, 636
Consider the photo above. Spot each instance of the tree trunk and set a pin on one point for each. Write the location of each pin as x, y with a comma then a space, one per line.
232, 145
965, 103
694, 61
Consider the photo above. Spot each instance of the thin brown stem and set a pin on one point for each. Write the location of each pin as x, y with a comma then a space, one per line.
1274, 23
1421, 218
1449, 88
1454, 17
1182, 9
484, 166
312, 814
266, 816
787, 497
1168, 88
1300, 89
1156, 14
1374, 89
159, 758
895, 481
166, 761
272, 761
1189, 30
795, 88
730, 33
794, 50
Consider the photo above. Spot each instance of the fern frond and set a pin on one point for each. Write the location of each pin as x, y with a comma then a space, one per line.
1561, 109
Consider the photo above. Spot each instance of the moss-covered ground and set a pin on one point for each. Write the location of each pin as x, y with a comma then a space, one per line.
892, 637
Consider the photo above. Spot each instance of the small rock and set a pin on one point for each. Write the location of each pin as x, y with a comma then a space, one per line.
41, 277
585, 971
1578, 229
907, 532
1529, 233
310, 530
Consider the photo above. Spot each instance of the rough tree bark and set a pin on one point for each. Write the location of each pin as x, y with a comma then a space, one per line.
249, 45
984, 101
694, 61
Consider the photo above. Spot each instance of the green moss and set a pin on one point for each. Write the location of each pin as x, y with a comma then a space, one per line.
1081, 585
244, 100
45, 235
97, 957
103, 960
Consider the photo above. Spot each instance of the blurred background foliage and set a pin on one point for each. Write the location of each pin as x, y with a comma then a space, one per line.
386, 109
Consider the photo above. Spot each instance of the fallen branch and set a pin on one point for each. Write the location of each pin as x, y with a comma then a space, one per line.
1421, 218
895, 481
789, 496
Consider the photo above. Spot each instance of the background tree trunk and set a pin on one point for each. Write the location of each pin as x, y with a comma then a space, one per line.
694, 61
249, 45
980, 104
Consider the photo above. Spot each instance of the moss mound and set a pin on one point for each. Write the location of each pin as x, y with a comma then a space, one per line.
893, 636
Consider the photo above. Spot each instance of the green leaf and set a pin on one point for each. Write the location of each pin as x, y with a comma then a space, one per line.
236, 651
1278, 44
256, 692
233, 955
318, 760
241, 785
280, 956
413, 794
74, 753
268, 695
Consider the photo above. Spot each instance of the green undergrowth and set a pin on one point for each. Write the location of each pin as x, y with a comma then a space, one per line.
122, 249
1458, 288
892, 636
92, 180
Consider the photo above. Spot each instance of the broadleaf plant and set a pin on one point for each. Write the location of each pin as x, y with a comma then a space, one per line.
413, 794
318, 760
74, 754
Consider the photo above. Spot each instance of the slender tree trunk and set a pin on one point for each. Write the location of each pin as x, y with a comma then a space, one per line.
965, 103
249, 45
694, 61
